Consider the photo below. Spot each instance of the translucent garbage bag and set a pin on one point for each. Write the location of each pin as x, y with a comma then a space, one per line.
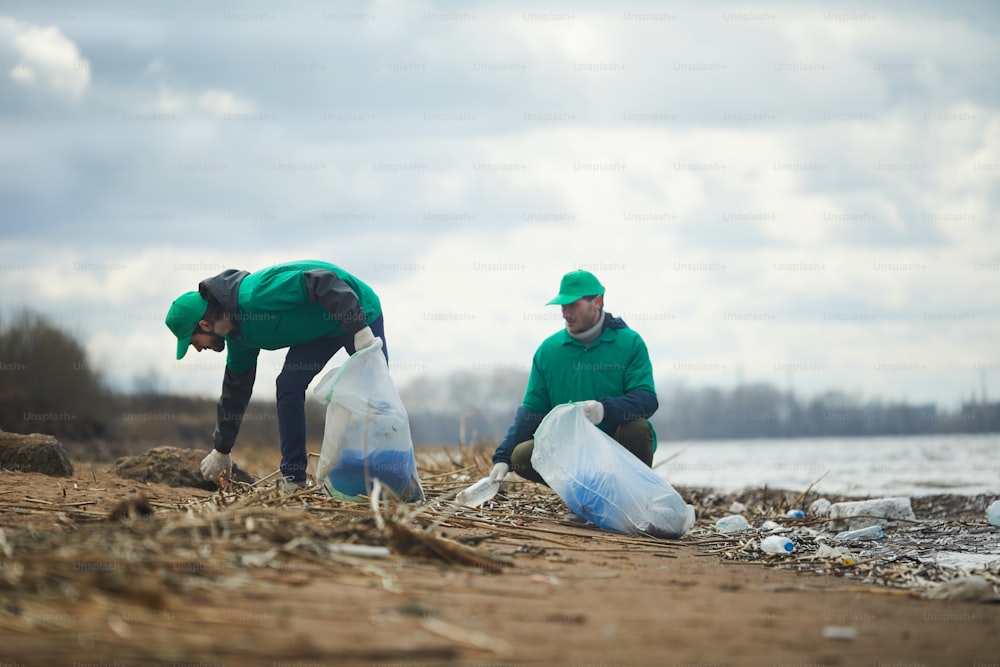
603, 482
367, 431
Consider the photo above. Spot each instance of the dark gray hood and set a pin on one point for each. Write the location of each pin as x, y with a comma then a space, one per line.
225, 289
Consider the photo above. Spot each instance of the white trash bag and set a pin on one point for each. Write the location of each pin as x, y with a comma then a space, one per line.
367, 431
603, 482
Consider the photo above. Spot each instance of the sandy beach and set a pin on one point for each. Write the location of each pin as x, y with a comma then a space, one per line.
253, 582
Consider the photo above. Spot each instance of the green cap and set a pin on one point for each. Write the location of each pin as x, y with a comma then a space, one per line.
183, 317
576, 285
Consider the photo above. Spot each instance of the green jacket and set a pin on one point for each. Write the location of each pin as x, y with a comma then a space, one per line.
564, 370
614, 369
294, 303
278, 307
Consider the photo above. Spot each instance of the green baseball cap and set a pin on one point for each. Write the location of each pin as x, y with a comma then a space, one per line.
183, 317
576, 285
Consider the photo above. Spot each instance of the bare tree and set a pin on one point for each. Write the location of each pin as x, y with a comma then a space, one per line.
46, 382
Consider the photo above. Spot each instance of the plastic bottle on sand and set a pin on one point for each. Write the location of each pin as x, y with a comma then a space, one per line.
993, 513
478, 493
732, 523
869, 533
777, 544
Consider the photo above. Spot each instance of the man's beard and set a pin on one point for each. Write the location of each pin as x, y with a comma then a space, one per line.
217, 342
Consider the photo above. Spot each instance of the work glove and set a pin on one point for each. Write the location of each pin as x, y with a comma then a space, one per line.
364, 338
499, 471
215, 463
593, 411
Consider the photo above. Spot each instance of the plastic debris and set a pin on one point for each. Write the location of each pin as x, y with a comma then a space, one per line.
863, 513
732, 523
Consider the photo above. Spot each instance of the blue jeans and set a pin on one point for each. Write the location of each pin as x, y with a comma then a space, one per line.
302, 364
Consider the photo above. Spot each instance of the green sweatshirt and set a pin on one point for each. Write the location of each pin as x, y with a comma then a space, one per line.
294, 303
564, 370
278, 307
614, 369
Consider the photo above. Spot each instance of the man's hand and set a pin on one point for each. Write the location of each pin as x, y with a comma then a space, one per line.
364, 338
499, 472
593, 411
216, 462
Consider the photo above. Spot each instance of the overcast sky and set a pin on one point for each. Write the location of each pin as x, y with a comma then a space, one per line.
800, 193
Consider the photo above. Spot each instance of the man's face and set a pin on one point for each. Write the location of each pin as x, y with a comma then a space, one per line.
582, 314
205, 338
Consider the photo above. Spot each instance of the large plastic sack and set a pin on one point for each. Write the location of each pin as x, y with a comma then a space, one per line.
367, 431
603, 482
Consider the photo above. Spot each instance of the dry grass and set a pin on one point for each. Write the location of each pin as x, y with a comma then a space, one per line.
146, 554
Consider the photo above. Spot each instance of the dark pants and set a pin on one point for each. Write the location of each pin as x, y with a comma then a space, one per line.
635, 436
302, 364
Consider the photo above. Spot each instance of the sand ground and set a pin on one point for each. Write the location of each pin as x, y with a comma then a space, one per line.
571, 596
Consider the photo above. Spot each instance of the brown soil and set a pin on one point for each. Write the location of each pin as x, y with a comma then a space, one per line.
173, 466
33, 453
571, 596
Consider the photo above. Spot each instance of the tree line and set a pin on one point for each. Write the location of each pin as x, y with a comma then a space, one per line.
48, 386
755, 410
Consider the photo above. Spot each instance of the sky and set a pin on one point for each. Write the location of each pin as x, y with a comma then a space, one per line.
803, 194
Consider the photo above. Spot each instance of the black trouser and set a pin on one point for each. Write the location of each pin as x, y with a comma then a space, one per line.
302, 364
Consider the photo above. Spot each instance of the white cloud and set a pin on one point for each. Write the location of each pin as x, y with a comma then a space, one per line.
168, 101
221, 102
687, 217
154, 67
214, 102
46, 60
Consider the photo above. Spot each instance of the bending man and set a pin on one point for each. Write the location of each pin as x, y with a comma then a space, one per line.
312, 308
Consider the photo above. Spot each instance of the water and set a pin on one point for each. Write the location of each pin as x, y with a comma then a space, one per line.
883, 466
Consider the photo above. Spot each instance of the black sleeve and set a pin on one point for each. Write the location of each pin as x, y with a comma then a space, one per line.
636, 404
330, 291
236, 391
523, 428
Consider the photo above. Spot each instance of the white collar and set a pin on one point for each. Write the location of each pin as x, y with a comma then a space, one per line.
590, 335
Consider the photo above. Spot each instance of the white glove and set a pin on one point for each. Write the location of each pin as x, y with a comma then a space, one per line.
499, 472
593, 411
215, 463
364, 338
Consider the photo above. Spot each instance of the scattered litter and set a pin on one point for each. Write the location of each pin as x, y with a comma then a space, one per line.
993, 513
368, 550
842, 554
732, 523
477, 494
884, 512
970, 588
840, 633
964, 560
915, 556
777, 544
869, 533
820, 508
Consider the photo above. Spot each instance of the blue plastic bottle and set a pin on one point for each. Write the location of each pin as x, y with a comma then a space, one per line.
777, 544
